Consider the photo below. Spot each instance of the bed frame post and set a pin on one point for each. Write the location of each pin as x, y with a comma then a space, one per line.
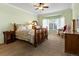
35, 39
46, 33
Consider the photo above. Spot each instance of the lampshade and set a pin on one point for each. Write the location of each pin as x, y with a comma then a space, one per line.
34, 23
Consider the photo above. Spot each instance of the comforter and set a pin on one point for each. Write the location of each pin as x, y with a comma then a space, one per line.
25, 35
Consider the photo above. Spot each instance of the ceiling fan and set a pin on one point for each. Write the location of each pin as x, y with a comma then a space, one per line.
40, 6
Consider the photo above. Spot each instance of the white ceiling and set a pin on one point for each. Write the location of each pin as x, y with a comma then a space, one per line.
53, 7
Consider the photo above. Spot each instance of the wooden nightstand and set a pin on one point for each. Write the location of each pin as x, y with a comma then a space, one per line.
9, 36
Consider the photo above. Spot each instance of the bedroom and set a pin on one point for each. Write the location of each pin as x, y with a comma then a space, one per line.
25, 13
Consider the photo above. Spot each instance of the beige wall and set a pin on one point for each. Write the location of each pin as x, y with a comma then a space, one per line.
75, 9
9, 14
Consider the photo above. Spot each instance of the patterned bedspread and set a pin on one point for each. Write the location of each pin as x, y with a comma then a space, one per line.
25, 35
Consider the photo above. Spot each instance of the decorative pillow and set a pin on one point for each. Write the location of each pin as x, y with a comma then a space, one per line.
18, 25
21, 28
29, 27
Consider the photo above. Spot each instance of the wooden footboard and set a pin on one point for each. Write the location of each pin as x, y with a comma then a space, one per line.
41, 35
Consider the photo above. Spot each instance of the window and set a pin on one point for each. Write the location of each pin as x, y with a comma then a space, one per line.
54, 24
60, 22
46, 23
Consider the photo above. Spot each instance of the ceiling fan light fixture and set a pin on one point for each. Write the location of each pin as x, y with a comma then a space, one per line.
40, 6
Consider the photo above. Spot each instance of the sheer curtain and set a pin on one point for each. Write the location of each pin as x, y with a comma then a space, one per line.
54, 24
60, 22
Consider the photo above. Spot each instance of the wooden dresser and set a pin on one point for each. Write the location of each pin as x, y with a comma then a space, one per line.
72, 43
9, 36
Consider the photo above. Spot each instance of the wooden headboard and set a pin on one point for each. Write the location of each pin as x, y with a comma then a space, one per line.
15, 26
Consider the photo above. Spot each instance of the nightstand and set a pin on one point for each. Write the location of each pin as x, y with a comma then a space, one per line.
9, 36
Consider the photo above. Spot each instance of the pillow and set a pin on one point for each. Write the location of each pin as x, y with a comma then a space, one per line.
21, 28
29, 26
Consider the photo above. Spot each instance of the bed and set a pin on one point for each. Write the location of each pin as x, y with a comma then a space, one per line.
35, 35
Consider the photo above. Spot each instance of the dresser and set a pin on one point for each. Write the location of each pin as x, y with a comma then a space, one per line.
9, 36
72, 43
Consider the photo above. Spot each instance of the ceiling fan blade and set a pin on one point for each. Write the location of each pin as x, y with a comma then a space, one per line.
45, 7
36, 8
39, 4
42, 9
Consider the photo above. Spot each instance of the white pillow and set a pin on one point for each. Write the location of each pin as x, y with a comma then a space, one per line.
29, 27
22, 28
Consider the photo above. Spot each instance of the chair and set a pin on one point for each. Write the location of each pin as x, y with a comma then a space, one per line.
62, 31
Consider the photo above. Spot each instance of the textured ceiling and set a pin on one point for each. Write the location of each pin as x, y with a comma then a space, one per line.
53, 7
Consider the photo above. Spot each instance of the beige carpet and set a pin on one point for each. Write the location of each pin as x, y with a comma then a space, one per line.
54, 46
